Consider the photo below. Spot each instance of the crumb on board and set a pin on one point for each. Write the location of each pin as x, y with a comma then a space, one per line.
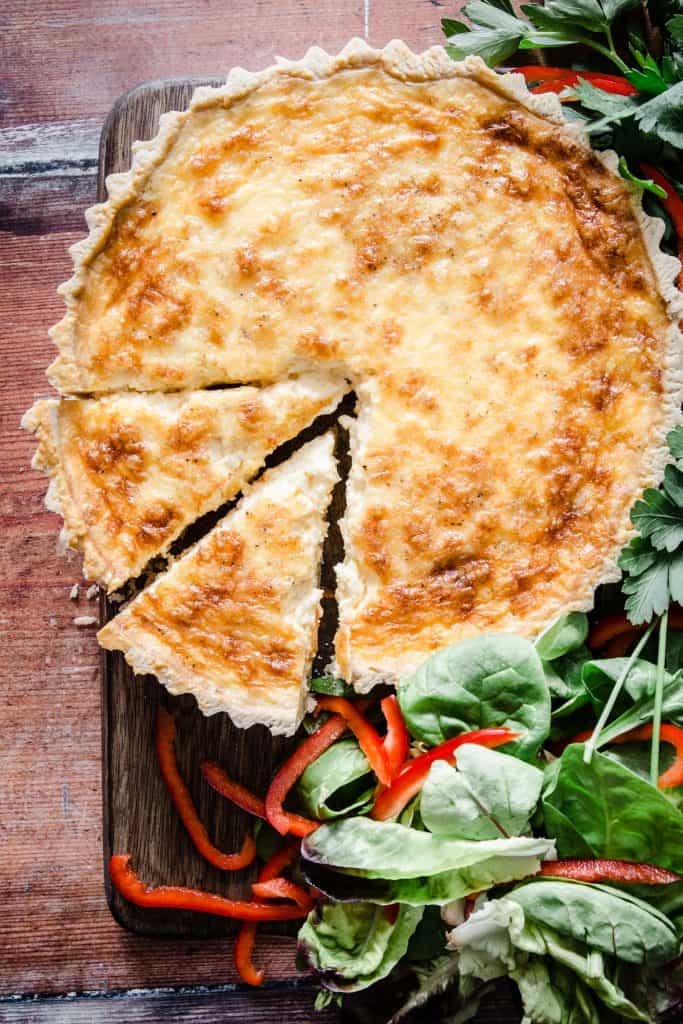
85, 620
92, 592
73, 593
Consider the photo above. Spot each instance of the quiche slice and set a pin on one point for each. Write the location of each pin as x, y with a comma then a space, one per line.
130, 472
234, 620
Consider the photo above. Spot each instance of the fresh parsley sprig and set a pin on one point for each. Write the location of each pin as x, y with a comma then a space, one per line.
653, 561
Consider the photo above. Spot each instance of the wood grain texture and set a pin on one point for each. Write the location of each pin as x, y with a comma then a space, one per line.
62, 65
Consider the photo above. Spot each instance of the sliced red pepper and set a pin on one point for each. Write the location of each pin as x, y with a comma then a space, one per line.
180, 795
282, 889
669, 733
397, 740
176, 897
244, 946
673, 204
369, 740
618, 646
408, 783
609, 871
311, 748
248, 801
607, 628
557, 79
617, 624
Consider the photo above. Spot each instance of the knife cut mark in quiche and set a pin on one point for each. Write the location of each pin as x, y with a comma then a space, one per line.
130, 472
234, 620
487, 283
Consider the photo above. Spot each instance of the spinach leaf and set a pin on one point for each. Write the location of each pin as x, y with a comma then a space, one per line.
353, 945
567, 634
602, 809
330, 686
484, 681
487, 795
599, 678
338, 782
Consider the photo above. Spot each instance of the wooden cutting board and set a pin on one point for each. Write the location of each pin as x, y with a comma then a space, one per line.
138, 816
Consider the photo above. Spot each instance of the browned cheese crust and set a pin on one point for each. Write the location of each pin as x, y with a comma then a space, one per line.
480, 276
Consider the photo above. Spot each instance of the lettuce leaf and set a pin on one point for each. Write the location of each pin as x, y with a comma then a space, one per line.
384, 862
487, 795
553, 946
353, 945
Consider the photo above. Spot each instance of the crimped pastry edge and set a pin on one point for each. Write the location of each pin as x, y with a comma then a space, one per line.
397, 60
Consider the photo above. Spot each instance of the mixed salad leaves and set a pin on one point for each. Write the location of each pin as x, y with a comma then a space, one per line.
515, 810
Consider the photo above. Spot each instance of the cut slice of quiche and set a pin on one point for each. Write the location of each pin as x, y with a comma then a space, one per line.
234, 620
130, 472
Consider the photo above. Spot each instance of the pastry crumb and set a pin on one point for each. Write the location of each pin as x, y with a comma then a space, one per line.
73, 593
92, 592
85, 620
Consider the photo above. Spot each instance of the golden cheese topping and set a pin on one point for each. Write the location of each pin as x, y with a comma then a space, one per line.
131, 471
476, 272
234, 621
361, 221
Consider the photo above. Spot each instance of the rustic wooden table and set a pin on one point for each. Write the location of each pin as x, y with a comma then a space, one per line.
62, 65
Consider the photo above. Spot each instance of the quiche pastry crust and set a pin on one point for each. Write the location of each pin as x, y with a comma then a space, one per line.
417, 576
129, 472
234, 620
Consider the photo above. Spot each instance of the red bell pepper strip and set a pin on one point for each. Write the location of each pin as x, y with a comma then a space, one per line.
673, 204
180, 795
616, 624
669, 733
618, 646
608, 871
557, 79
176, 897
369, 740
282, 889
408, 783
397, 740
244, 946
311, 748
248, 801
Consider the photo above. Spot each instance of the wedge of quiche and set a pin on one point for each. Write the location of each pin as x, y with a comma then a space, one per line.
455, 249
130, 472
234, 621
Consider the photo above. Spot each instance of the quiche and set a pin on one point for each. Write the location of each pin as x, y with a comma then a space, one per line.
234, 620
130, 472
447, 243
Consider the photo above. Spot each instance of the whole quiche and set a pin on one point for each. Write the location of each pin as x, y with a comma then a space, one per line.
425, 234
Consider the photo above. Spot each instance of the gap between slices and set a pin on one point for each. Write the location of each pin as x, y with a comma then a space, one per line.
484, 280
